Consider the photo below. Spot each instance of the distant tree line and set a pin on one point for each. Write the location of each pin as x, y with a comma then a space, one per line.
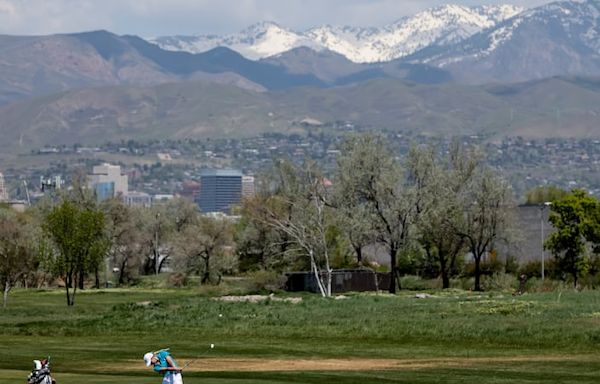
427, 212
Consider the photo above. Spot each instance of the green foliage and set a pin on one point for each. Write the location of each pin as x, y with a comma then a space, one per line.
541, 195
262, 281
78, 234
576, 220
511, 265
416, 283
455, 336
499, 282
17, 249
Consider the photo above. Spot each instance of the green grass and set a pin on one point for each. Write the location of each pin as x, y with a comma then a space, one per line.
112, 328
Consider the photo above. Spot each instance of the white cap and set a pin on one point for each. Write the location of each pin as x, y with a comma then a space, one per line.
148, 358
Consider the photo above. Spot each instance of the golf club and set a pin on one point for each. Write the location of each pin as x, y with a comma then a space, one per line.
212, 346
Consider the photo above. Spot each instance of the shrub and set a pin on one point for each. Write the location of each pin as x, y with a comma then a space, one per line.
499, 282
416, 283
263, 280
177, 280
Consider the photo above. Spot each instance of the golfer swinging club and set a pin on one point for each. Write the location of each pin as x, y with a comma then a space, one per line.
163, 362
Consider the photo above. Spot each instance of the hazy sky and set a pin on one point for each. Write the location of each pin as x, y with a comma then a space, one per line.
169, 17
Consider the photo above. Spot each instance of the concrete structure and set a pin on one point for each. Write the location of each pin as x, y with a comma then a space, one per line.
3, 189
51, 183
137, 199
533, 228
108, 181
248, 189
220, 190
162, 198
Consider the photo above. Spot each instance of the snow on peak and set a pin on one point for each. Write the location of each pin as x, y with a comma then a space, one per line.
437, 26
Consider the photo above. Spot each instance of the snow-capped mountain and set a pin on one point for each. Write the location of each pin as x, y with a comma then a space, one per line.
437, 26
561, 38
255, 42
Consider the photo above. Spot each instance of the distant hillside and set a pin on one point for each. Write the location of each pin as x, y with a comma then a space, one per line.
42, 65
557, 107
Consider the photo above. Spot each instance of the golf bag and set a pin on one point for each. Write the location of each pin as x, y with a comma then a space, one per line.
40, 373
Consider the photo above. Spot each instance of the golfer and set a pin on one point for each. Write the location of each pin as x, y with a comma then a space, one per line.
163, 362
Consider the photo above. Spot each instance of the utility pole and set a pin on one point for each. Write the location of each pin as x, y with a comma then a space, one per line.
542, 209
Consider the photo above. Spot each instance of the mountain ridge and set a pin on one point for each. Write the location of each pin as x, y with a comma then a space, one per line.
440, 25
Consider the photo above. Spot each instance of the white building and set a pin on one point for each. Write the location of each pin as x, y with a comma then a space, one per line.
108, 181
3, 189
137, 199
248, 186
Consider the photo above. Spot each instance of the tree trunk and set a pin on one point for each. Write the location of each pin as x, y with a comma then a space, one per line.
97, 280
445, 279
6, 290
122, 272
444, 269
359, 258
206, 276
80, 280
393, 269
68, 282
478, 273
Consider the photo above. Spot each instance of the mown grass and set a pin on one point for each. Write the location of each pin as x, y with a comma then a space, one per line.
107, 331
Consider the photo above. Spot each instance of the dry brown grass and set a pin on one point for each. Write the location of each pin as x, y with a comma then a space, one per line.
281, 365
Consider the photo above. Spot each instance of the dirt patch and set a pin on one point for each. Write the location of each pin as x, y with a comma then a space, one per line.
271, 365
258, 299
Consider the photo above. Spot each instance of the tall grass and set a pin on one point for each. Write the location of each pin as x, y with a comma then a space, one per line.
113, 326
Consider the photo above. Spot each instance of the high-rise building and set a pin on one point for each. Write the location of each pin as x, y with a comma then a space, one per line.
248, 186
3, 189
220, 190
108, 181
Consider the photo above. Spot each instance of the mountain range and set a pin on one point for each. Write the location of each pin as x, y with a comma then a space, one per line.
437, 26
448, 70
471, 44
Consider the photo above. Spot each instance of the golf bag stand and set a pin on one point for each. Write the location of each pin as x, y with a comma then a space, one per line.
40, 373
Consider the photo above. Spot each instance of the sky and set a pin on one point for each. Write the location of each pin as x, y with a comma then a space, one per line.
151, 18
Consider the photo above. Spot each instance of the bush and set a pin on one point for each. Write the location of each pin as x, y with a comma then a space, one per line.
416, 283
177, 280
269, 281
499, 282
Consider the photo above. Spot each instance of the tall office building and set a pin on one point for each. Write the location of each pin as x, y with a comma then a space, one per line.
108, 181
3, 189
248, 186
220, 190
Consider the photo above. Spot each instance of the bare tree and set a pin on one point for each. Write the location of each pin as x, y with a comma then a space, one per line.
298, 208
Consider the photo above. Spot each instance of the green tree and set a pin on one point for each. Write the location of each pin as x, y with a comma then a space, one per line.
439, 225
541, 195
80, 244
17, 248
374, 178
201, 246
576, 220
129, 244
486, 202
